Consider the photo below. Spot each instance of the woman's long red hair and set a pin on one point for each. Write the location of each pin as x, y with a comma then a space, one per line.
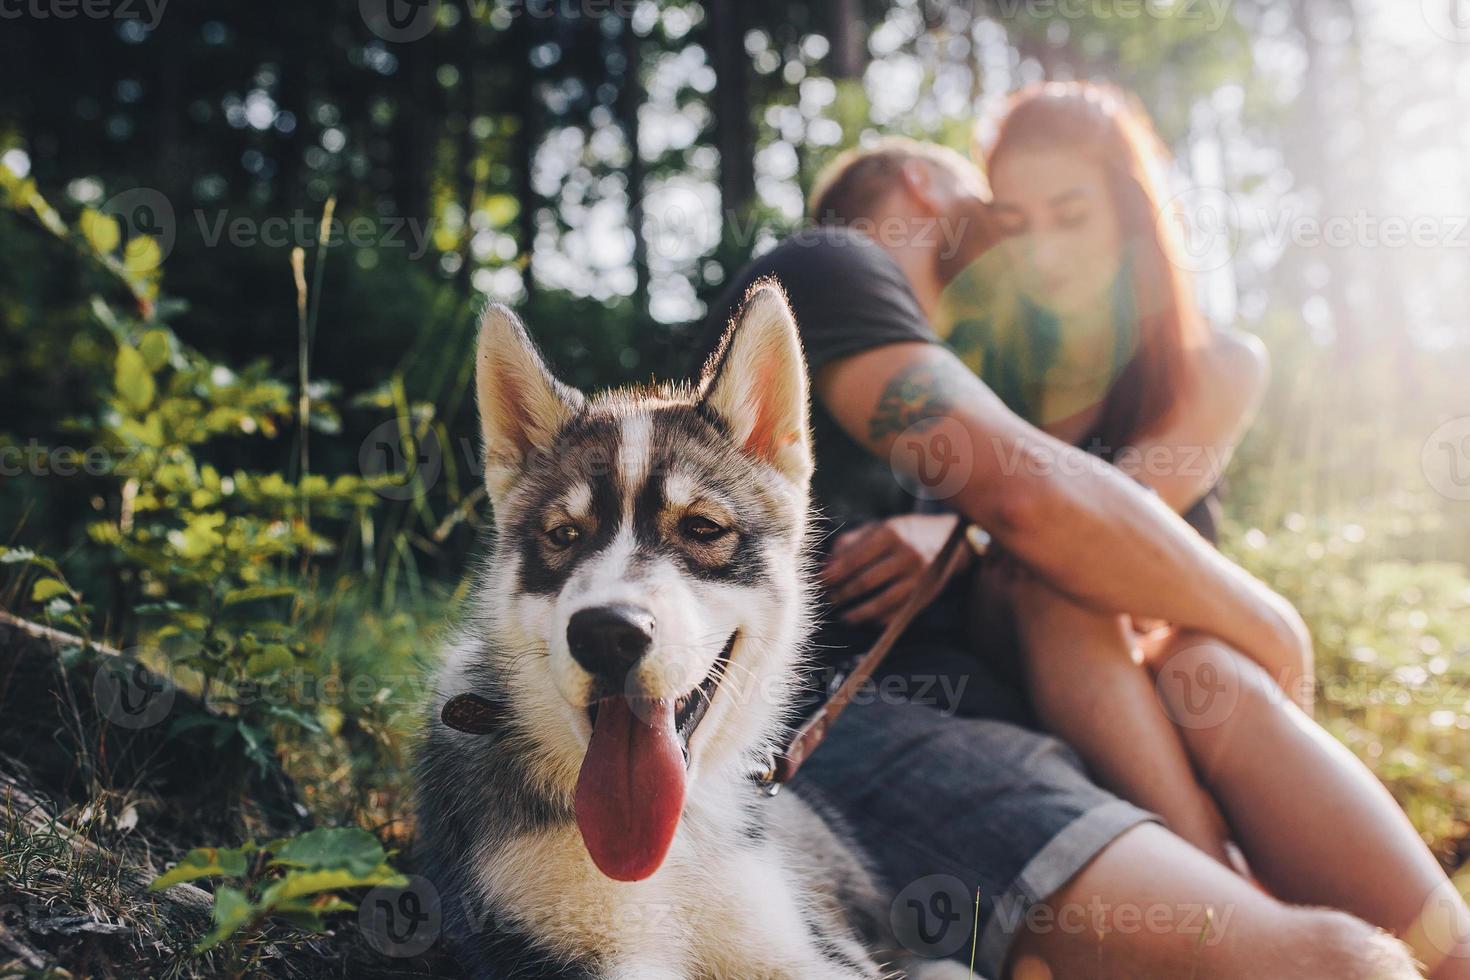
1097, 121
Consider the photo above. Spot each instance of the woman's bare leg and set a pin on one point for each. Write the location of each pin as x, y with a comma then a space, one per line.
1090, 692
1314, 823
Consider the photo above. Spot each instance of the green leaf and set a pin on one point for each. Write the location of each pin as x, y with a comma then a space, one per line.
380, 396
320, 905
133, 380
254, 592
142, 257
204, 862
158, 608
274, 658
101, 231
232, 909
307, 915
200, 537
298, 884
23, 556
330, 718
294, 716
47, 589
202, 720
348, 848
257, 746
155, 348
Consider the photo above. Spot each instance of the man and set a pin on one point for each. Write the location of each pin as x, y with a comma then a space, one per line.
1071, 880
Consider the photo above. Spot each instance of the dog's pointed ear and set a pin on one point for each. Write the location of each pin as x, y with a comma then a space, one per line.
756, 382
522, 407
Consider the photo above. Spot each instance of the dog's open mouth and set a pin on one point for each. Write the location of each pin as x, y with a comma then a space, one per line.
691, 707
630, 790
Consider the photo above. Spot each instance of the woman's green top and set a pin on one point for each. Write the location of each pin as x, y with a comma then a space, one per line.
1016, 346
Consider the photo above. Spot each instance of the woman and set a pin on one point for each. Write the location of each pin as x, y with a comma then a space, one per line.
1084, 323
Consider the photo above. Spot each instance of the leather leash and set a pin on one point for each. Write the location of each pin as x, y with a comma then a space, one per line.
809, 735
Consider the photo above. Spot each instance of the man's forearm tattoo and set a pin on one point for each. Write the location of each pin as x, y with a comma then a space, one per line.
919, 393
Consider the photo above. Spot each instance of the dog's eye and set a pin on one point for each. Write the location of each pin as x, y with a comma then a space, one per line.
701, 529
564, 535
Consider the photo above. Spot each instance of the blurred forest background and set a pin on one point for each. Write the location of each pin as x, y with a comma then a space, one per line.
249, 475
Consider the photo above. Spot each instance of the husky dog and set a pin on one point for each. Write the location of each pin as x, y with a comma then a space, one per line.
636, 642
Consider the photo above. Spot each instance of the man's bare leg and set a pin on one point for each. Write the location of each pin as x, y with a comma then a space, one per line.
1314, 823
1150, 905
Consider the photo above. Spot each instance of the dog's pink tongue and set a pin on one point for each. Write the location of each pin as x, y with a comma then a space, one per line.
631, 789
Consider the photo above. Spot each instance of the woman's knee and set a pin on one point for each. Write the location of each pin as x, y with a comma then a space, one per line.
1208, 687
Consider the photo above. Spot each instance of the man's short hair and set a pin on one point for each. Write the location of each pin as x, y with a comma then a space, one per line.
850, 187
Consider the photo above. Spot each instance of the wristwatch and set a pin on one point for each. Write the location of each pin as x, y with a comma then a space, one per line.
978, 539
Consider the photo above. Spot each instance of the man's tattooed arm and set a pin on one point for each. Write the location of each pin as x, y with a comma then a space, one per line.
916, 394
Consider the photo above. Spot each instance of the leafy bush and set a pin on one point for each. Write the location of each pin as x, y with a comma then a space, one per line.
219, 573
297, 880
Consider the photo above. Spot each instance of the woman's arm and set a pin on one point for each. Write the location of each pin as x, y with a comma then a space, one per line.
1182, 461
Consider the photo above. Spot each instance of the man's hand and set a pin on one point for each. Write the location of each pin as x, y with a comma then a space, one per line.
880, 563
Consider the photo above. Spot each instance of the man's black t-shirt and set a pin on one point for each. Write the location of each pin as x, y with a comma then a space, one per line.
848, 296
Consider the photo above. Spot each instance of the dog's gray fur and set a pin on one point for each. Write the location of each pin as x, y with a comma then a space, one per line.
753, 887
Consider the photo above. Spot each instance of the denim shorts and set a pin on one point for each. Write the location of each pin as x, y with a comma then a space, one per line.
950, 795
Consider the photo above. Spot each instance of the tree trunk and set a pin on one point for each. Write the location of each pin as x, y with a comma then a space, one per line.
630, 96
522, 39
468, 149
416, 129
733, 136
849, 39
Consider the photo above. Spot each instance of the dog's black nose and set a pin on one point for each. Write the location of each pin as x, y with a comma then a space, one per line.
609, 640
